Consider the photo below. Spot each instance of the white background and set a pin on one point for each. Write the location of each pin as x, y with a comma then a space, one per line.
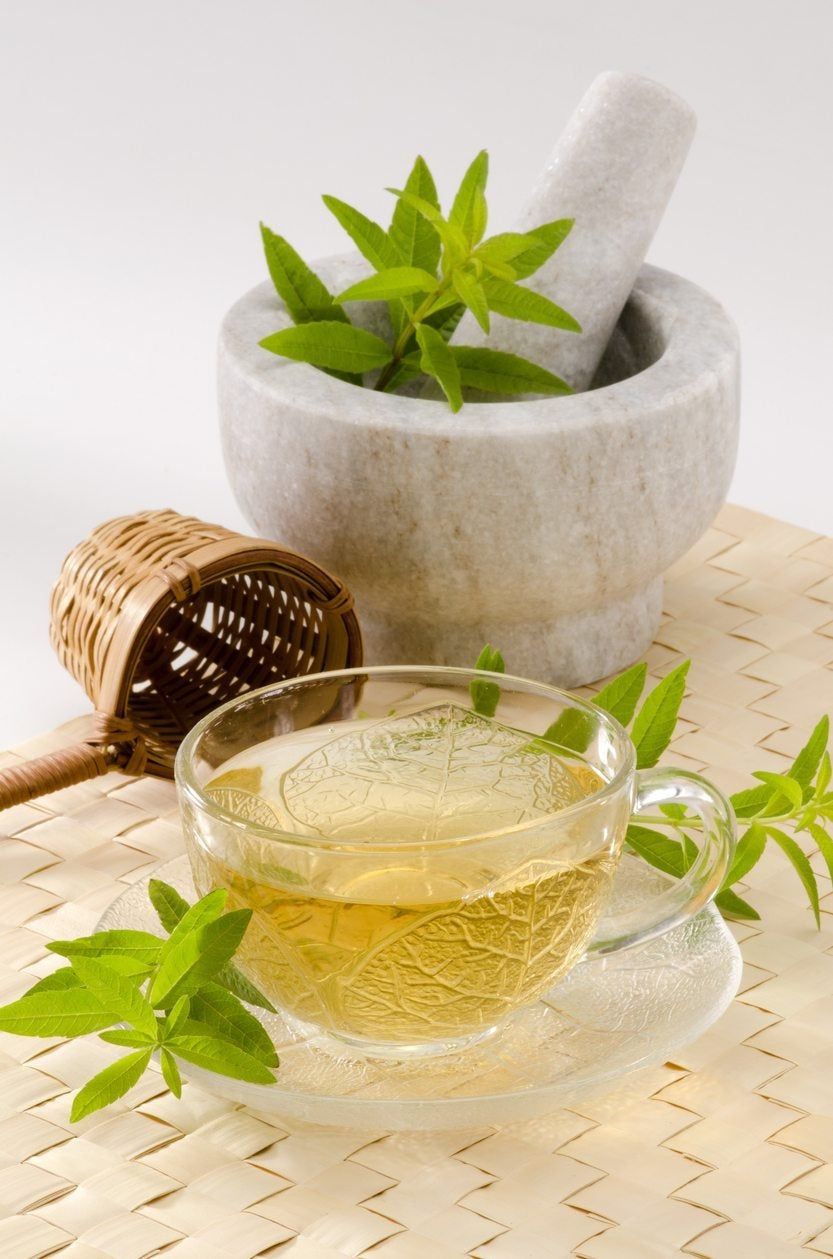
141, 143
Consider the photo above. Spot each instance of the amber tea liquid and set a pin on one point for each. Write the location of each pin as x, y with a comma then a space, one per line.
440, 941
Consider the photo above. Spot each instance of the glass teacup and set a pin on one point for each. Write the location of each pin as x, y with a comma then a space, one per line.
421, 862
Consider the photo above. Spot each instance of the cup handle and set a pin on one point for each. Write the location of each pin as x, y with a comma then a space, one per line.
687, 895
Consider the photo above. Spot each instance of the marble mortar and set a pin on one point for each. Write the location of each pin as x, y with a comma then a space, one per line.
542, 526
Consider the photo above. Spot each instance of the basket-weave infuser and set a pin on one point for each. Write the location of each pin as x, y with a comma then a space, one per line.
161, 617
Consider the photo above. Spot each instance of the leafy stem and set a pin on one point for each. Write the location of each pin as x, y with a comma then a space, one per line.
429, 269
799, 799
694, 823
178, 998
408, 332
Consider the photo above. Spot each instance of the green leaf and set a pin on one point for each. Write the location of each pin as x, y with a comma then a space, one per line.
392, 283
138, 946
170, 1072
305, 296
230, 977
184, 944
169, 905
500, 270
471, 294
178, 1015
58, 981
128, 1040
516, 302
73, 1012
207, 909
490, 659
333, 345
171, 908
660, 850
414, 237
215, 1012
438, 361
197, 956
656, 719
785, 787
442, 302
803, 768
421, 204
748, 853
801, 865
468, 212
496, 372
118, 963
620, 697
110, 1084
750, 801
407, 370
116, 992
215, 1055
132, 967
485, 695
823, 780
505, 247
824, 844
444, 320
544, 241
456, 245
728, 902
371, 239
572, 730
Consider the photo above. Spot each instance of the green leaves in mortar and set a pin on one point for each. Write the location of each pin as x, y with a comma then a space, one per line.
180, 998
800, 798
429, 269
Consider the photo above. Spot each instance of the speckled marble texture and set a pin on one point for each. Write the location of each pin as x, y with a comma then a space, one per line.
613, 170
541, 526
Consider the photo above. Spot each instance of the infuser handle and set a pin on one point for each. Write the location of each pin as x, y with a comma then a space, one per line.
64, 768
112, 743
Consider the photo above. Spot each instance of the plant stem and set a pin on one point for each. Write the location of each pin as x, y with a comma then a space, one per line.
792, 817
675, 823
387, 373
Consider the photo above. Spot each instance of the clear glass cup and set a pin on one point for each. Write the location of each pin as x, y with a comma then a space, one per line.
403, 919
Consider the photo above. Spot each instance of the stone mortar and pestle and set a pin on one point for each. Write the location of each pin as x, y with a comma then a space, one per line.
542, 525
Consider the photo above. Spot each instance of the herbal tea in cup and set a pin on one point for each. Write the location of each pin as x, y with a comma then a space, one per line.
419, 870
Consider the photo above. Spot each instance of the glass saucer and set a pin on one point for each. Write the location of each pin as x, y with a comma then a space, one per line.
608, 1017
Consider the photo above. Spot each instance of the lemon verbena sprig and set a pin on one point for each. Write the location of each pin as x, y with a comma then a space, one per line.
178, 999
429, 269
799, 800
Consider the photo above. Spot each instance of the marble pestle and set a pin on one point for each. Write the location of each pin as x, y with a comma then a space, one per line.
613, 171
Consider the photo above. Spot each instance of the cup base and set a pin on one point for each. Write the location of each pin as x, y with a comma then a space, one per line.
390, 1050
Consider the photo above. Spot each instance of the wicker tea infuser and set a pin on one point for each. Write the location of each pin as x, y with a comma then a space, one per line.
161, 617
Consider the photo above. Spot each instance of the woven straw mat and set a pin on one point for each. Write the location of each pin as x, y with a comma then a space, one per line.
725, 1153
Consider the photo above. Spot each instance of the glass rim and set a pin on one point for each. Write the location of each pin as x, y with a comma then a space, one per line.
188, 786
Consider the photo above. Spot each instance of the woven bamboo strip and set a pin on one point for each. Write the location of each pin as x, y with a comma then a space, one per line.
726, 1153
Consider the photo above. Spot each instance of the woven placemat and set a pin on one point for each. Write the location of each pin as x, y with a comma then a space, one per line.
726, 1153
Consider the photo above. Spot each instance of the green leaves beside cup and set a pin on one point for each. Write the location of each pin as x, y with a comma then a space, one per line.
178, 997
429, 269
800, 798
181, 997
